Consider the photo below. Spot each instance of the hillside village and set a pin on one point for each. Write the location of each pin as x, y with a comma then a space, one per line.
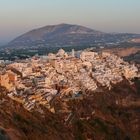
40, 79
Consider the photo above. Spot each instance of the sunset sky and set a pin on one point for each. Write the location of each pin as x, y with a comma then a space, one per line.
20, 16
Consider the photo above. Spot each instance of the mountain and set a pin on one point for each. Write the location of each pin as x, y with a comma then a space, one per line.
65, 35
57, 35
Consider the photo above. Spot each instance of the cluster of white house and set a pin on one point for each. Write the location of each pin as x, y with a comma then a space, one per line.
39, 80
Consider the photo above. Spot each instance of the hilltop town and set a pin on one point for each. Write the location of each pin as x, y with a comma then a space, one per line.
39, 80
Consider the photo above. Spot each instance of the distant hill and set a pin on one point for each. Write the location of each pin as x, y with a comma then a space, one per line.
65, 35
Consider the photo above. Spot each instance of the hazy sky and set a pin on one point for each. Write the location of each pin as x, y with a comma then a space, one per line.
19, 16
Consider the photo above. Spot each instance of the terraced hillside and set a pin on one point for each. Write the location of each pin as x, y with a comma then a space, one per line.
104, 115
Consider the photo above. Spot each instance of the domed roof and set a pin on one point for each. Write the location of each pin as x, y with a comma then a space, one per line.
61, 52
51, 56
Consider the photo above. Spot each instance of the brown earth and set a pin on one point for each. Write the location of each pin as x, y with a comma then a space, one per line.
104, 115
123, 52
137, 40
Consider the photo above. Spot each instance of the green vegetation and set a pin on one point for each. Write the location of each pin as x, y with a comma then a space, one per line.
3, 135
24, 53
137, 83
19, 118
80, 130
99, 125
26, 123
